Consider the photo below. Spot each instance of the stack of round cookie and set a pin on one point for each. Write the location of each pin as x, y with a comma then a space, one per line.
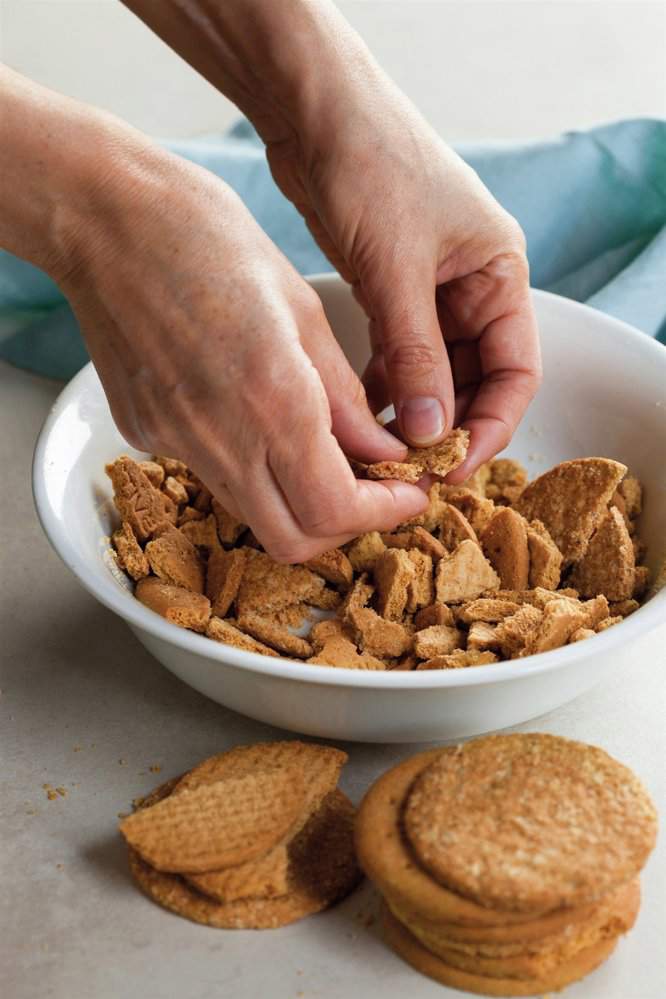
509, 865
254, 838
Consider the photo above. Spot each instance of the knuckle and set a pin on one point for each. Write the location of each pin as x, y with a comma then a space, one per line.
409, 357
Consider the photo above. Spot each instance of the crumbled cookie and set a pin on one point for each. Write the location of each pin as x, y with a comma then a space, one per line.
224, 573
437, 640
482, 637
631, 491
421, 587
130, 556
571, 500
365, 550
342, 652
595, 610
506, 482
607, 622
188, 514
515, 633
267, 585
394, 571
178, 605
228, 634
454, 527
415, 537
228, 527
623, 608
439, 459
477, 510
545, 557
558, 622
487, 609
202, 531
175, 560
504, 543
275, 635
176, 491
460, 659
580, 634
433, 614
138, 502
334, 567
154, 472
376, 636
324, 631
607, 565
464, 575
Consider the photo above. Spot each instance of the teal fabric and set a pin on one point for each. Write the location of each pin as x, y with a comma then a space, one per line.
592, 205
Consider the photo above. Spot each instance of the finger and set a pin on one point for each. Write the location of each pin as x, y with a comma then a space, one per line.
417, 367
332, 502
511, 367
352, 421
375, 383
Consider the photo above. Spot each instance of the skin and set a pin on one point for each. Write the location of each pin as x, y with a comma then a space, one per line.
209, 344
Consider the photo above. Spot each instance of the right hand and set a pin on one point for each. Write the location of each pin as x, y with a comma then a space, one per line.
212, 348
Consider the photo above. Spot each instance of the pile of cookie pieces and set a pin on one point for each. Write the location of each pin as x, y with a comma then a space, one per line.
508, 865
495, 569
254, 838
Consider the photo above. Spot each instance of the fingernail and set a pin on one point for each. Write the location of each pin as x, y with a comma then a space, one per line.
422, 420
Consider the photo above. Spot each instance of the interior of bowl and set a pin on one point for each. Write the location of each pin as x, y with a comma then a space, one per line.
604, 393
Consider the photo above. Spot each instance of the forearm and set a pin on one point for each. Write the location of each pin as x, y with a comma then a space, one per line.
277, 60
65, 168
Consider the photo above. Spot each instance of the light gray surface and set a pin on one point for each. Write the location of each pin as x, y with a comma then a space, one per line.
79, 695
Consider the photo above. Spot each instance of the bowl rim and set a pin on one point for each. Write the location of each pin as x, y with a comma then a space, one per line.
114, 597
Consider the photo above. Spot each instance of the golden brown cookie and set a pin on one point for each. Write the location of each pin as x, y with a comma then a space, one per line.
394, 571
570, 500
276, 636
224, 573
415, 537
226, 632
228, 527
334, 567
454, 527
137, 500
464, 575
459, 659
376, 636
411, 950
261, 877
268, 586
504, 543
200, 529
175, 560
608, 565
581, 823
217, 825
324, 871
130, 556
545, 557
180, 606
438, 459
438, 640
365, 550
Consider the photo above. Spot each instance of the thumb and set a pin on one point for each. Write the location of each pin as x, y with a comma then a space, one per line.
417, 365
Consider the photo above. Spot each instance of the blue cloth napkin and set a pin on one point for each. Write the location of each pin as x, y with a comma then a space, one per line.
592, 205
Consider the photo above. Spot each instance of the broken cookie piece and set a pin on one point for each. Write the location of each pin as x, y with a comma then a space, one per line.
178, 605
545, 557
128, 550
138, 502
464, 575
394, 571
365, 550
227, 633
438, 640
571, 500
460, 659
224, 574
439, 459
504, 543
334, 567
343, 653
228, 527
608, 563
175, 560
275, 635
377, 636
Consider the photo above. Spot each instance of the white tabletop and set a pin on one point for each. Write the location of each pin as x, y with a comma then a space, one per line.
84, 707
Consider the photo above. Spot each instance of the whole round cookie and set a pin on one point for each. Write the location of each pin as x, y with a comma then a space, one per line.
409, 949
387, 859
534, 962
529, 823
323, 871
617, 910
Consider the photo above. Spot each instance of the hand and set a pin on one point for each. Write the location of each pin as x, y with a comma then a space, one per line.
211, 348
438, 265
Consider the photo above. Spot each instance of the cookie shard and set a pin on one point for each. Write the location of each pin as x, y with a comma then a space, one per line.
334, 567
342, 652
229, 527
227, 633
454, 527
545, 557
440, 459
434, 613
268, 586
376, 636
394, 571
583, 824
438, 640
504, 543
137, 500
421, 588
464, 575
559, 620
224, 572
129, 553
176, 604
459, 659
365, 550
608, 564
571, 500
276, 636
261, 877
217, 825
416, 537
175, 560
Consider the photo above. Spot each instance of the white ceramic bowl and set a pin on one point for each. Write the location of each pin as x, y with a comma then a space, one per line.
604, 393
